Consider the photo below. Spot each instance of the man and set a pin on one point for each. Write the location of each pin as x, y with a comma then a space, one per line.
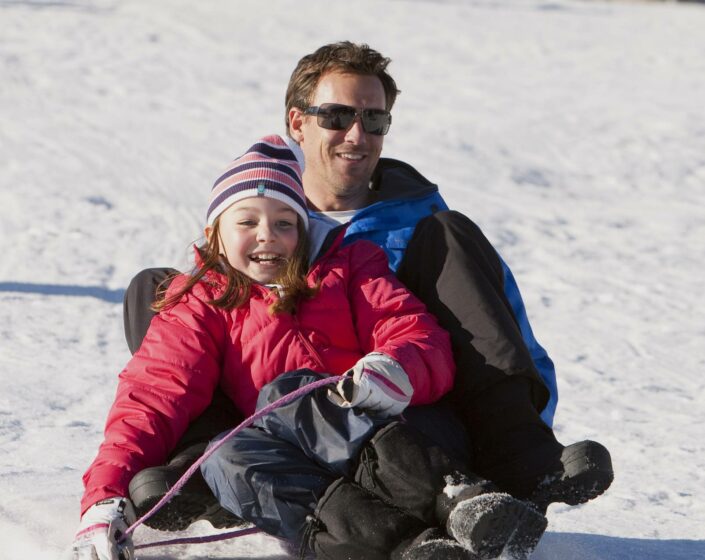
338, 105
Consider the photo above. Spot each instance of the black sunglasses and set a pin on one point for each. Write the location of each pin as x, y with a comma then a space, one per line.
334, 116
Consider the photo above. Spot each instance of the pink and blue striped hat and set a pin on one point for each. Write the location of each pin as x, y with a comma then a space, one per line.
272, 167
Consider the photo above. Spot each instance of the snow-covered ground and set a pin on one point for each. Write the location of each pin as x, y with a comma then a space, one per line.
572, 132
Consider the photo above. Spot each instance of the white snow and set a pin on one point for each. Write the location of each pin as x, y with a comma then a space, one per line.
572, 131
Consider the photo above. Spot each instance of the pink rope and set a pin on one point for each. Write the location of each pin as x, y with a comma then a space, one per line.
286, 399
201, 539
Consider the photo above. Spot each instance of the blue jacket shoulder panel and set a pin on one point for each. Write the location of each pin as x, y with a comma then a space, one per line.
390, 224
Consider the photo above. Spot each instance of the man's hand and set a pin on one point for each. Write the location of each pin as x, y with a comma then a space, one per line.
377, 384
101, 528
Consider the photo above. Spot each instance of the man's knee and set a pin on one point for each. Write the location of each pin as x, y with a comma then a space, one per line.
458, 232
139, 296
145, 283
449, 219
456, 240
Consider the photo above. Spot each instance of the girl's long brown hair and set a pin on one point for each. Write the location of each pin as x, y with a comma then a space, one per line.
237, 286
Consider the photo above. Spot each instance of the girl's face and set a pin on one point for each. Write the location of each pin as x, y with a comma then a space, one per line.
258, 235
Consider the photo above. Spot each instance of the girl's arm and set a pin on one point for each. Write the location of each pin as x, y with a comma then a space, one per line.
168, 382
391, 320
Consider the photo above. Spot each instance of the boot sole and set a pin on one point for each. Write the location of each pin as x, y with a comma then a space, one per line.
440, 548
587, 473
489, 523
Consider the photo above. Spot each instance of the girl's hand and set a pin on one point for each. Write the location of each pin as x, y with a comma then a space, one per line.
377, 384
101, 528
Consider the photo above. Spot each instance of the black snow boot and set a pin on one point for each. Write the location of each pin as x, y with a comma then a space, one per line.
491, 523
352, 523
406, 469
582, 471
514, 448
194, 502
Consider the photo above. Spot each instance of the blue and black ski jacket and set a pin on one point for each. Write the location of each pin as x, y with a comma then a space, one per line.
402, 198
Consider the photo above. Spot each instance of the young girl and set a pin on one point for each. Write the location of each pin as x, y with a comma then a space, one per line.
334, 466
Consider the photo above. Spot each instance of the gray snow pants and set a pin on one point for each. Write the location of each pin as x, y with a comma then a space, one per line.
274, 472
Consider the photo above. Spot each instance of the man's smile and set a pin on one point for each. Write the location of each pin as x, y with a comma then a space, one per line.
351, 156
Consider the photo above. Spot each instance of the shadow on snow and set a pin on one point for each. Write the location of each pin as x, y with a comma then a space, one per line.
580, 546
111, 296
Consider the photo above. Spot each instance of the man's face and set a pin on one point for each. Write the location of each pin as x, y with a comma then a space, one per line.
339, 163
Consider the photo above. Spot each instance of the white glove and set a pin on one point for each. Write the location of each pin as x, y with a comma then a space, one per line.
100, 529
377, 384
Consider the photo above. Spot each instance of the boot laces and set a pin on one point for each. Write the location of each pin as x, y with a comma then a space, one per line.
312, 526
368, 458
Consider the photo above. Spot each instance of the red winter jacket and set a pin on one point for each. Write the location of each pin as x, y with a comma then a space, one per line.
192, 347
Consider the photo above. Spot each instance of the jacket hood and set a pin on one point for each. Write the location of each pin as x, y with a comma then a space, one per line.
393, 180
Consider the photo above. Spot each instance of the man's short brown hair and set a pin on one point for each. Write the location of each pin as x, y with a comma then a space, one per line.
345, 57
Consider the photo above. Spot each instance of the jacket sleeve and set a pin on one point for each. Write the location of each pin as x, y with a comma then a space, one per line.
390, 319
166, 384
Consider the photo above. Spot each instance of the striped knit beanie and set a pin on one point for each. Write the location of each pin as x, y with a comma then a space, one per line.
272, 167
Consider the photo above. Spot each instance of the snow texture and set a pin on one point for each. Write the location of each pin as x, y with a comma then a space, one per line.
572, 131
